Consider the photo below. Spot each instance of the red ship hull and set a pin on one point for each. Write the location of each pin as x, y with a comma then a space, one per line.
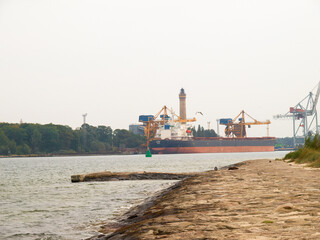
213, 145
214, 149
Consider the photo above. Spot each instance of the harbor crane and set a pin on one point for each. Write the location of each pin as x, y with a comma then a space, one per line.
152, 123
305, 113
238, 129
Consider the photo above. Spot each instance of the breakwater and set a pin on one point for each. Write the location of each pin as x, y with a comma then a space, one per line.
259, 199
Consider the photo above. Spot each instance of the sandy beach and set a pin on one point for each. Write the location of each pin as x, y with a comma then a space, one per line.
257, 199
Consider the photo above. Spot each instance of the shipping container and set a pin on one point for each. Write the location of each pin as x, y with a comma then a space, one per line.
299, 110
166, 117
145, 118
225, 121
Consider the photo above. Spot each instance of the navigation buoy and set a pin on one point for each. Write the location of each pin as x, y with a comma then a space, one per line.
148, 154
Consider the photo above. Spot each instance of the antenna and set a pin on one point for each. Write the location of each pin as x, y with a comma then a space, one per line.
84, 131
84, 117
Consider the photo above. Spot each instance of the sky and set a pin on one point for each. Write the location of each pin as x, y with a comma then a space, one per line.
116, 60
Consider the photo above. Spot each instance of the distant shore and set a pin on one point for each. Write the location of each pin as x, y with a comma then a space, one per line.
70, 154
132, 152
257, 199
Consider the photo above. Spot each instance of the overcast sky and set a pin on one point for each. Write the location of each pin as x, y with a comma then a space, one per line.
116, 60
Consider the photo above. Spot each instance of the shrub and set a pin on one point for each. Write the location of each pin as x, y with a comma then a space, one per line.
293, 155
310, 153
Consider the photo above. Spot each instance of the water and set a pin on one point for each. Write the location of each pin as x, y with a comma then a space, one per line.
38, 200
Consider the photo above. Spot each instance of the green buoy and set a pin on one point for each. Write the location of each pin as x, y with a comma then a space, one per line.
148, 153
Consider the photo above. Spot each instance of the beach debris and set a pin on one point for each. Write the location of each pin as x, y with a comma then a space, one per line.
233, 168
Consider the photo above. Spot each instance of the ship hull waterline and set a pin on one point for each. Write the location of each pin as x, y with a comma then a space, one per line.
214, 145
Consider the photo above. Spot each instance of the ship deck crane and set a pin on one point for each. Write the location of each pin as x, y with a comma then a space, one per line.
238, 129
152, 123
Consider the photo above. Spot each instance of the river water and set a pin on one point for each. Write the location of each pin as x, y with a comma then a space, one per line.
38, 200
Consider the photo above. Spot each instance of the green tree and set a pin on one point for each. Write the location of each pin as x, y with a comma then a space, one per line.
23, 149
104, 134
66, 137
127, 139
97, 147
76, 143
50, 139
15, 133
4, 143
7, 146
95, 139
36, 140
201, 132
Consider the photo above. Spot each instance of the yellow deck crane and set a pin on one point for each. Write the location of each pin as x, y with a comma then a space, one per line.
152, 123
238, 129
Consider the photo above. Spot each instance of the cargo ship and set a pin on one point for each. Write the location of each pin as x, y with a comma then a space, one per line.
172, 134
213, 145
177, 138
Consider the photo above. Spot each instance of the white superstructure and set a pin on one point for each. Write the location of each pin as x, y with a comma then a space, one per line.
174, 130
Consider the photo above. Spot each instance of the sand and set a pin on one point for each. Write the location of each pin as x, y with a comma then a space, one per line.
259, 199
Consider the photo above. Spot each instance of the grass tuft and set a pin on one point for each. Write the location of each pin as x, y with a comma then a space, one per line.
268, 221
309, 154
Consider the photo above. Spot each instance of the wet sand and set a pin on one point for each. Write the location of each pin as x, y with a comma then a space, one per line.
258, 199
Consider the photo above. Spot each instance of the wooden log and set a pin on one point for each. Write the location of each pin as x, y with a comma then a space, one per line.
117, 176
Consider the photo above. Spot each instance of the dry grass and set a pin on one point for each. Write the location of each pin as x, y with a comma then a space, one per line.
309, 154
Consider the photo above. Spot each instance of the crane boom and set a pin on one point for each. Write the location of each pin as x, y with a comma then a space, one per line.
316, 99
152, 124
238, 129
305, 112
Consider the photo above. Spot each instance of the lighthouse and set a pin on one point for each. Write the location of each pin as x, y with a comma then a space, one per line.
183, 109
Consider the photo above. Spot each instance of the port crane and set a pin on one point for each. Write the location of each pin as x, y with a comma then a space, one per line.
152, 123
238, 129
305, 112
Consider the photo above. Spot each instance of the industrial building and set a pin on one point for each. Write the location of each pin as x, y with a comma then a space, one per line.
137, 129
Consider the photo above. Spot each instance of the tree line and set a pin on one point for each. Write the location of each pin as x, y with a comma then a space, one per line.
201, 132
29, 138
24, 139
287, 142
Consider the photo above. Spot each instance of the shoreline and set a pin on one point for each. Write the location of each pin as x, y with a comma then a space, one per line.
69, 155
93, 154
256, 199
135, 213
